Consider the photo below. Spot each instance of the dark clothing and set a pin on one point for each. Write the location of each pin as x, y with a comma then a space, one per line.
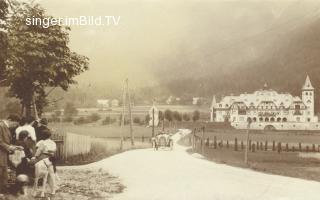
5, 139
39, 131
3, 179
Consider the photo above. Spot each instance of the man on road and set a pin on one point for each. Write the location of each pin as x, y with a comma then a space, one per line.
5, 148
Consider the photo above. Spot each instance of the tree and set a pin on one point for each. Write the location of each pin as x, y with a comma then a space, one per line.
196, 115
168, 115
39, 57
13, 107
3, 37
161, 116
177, 116
186, 117
147, 119
70, 110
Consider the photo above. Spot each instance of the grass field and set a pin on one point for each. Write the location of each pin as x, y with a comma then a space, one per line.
97, 130
284, 137
284, 163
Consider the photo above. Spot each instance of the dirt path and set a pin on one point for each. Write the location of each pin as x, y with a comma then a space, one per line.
177, 175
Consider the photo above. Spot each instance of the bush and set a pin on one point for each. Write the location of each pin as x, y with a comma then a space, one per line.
136, 120
108, 120
94, 117
68, 119
196, 116
186, 117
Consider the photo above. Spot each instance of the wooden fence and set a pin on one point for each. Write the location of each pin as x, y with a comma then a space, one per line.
199, 141
70, 144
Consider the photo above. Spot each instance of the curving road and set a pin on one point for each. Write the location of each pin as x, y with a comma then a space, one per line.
177, 175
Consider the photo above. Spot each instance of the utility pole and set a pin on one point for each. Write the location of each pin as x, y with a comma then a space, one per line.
153, 120
130, 113
247, 145
122, 115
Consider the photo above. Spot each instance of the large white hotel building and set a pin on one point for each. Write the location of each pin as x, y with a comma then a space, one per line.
268, 109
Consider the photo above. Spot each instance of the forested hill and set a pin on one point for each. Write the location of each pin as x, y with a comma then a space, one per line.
286, 56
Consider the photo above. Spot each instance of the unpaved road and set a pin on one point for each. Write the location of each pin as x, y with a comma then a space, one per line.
177, 175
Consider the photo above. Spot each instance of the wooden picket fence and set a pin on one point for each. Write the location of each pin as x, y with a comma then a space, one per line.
70, 144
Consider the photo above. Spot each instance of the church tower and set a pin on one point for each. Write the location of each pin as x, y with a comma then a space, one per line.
308, 97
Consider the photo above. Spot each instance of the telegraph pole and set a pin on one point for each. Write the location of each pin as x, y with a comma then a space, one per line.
247, 146
122, 115
153, 120
130, 112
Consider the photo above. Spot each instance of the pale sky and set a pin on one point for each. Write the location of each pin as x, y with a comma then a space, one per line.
155, 34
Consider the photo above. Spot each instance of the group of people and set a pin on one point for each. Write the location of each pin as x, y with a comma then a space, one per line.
28, 135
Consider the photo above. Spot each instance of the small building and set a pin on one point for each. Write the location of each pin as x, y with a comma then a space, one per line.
103, 103
115, 103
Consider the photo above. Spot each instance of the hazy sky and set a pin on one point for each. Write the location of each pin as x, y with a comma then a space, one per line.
159, 33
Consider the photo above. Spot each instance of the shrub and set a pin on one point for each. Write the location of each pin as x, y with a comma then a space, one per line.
196, 115
186, 117
68, 119
136, 120
108, 120
94, 117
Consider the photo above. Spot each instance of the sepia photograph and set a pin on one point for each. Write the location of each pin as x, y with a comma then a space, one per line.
159, 99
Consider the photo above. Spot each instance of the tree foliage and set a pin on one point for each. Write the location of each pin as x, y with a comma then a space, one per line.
70, 110
168, 115
3, 37
186, 117
177, 116
39, 57
196, 115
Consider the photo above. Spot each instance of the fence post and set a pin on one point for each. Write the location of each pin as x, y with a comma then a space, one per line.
300, 147
266, 145
273, 145
214, 142
313, 148
228, 144
236, 144
287, 147
142, 138
307, 148
258, 146
249, 145
202, 141
208, 142
293, 149
242, 147
279, 147
253, 147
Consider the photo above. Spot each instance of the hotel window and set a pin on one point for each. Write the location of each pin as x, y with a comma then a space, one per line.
220, 105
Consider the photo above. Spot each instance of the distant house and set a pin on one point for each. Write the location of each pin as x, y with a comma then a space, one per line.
195, 100
115, 103
169, 100
103, 103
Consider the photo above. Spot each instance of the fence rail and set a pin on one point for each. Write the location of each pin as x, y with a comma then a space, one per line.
199, 141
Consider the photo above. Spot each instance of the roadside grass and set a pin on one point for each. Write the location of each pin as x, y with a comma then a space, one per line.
284, 163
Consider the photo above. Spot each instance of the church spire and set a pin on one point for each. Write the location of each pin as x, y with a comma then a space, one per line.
307, 85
